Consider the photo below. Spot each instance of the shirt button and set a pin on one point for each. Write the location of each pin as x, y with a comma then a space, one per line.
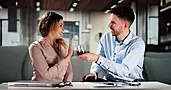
114, 54
99, 63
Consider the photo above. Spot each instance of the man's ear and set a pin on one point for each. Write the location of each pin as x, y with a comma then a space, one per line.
126, 25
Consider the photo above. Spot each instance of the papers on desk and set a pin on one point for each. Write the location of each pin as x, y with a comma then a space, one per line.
96, 84
39, 84
50, 85
122, 78
30, 84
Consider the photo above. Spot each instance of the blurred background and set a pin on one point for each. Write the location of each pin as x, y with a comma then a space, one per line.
86, 21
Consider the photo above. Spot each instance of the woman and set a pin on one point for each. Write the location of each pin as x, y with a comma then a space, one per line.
50, 55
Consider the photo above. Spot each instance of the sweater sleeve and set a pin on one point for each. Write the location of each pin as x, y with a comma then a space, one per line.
41, 66
69, 74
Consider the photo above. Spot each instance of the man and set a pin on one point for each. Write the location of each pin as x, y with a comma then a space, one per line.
120, 52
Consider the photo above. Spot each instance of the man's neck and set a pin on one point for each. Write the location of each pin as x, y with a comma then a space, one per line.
121, 37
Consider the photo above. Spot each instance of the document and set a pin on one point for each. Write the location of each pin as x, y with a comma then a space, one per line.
32, 84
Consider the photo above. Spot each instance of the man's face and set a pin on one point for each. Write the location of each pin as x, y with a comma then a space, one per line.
116, 25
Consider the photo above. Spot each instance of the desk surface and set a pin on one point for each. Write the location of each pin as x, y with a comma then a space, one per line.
96, 85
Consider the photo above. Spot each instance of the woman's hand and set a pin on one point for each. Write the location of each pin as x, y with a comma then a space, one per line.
70, 50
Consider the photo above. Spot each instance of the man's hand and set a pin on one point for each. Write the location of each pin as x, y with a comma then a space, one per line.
93, 74
90, 57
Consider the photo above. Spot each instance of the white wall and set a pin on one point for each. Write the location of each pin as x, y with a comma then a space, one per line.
99, 21
4, 13
9, 38
67, 16
133, 26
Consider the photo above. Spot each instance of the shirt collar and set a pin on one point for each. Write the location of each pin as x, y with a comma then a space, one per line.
126, 41
128, 38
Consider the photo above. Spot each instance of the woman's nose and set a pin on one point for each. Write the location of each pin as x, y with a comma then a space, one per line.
63, 29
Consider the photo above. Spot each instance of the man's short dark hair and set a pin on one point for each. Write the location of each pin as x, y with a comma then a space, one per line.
124, 12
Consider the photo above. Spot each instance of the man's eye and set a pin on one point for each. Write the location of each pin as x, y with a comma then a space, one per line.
113, 22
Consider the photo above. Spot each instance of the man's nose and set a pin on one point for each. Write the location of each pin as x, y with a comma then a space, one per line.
109, 25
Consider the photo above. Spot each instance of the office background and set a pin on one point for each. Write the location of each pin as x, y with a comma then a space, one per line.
85, 21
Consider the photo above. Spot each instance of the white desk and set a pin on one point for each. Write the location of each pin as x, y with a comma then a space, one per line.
95, 86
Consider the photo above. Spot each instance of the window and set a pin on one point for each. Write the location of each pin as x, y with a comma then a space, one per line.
10, 38
152, 36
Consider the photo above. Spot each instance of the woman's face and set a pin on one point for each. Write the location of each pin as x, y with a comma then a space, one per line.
59, 29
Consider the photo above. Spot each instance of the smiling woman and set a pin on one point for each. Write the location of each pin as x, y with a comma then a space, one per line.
50, 55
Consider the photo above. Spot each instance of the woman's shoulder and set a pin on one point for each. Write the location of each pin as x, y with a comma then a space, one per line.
38, 43
34, 44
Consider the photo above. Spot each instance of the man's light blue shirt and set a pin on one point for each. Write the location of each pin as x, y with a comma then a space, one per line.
122, 60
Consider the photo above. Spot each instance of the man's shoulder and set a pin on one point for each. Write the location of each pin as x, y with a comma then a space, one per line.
137, 40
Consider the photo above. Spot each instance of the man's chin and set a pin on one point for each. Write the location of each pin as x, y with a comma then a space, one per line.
113, 34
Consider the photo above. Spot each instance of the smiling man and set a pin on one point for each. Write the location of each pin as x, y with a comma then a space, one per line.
120, 52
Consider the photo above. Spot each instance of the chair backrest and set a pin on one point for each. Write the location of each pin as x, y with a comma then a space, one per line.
158, 55
27, 70
14, 61
157, 69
